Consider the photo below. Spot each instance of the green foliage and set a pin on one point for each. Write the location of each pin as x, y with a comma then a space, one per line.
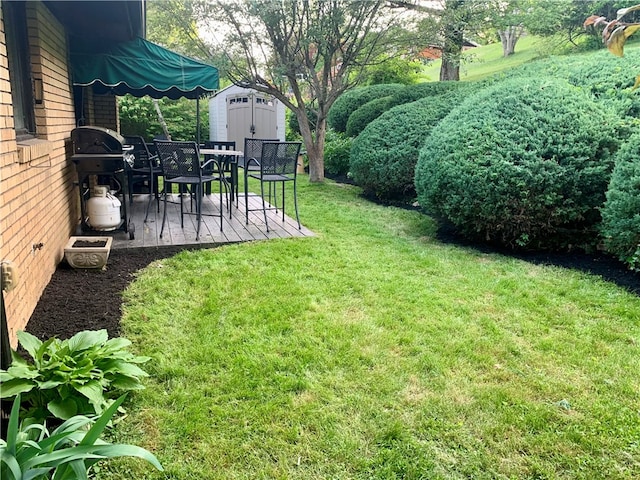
621, 213
336, 153
608, 78
397, 69
294, 126
76, 376
349, 101
566, 17
366, 114
524, 163
411, 93
138, 117
30, 452
384, 155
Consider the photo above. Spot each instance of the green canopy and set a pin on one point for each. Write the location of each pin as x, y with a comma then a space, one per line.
140, 68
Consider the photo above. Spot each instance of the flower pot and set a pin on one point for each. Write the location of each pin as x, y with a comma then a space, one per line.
87, 252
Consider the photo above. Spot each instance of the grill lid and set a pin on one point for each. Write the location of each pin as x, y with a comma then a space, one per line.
96, 140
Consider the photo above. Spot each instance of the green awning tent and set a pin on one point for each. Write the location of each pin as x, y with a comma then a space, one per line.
140, 68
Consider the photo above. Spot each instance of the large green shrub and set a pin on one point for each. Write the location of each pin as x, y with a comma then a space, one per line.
525, 162
351, 100
384, 155
366, 114
609, 78
411, 93
336, 153
621, 213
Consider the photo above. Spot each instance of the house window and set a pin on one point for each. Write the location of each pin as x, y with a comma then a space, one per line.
15, 26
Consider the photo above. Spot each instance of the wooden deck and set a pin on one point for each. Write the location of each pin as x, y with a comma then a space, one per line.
234, 229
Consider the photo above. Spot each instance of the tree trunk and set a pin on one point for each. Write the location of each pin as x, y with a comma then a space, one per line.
452, 31
451, 53
509, 38
314, 146
163, 124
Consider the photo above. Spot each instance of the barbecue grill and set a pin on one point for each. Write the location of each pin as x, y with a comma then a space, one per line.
102, 152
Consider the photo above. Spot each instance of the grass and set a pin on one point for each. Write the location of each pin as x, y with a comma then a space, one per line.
481, 62
372, 351
484, 61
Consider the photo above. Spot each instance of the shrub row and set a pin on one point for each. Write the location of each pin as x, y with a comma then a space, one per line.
609, 78
523, 163
351, 100
384, 155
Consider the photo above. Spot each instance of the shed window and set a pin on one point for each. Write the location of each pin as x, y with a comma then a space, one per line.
15, 25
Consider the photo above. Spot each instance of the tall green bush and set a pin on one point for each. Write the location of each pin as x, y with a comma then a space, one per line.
351, 100
384, 155
336, 153
366, 114
411, 93
621, 213
524, 163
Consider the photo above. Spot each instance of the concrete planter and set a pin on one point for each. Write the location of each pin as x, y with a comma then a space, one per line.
87, 252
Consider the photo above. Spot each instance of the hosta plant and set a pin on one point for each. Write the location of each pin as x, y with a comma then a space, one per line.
77, 376
31, 452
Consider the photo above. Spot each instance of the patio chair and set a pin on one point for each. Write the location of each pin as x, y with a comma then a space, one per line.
250, 162
145, 168
229, 163
181, 165
278, 164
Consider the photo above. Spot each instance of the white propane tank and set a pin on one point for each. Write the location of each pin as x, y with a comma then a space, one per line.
103, 209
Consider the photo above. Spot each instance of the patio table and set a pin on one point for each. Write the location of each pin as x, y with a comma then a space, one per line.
214, 152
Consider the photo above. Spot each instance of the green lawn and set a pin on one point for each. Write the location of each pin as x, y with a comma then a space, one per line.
484, 61
373, 351
481, 62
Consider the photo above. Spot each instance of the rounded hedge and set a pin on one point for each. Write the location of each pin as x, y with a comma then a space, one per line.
383, 157
364, 115
608, 77
351, 100
368, 112
621, 213
522, 163
412, 93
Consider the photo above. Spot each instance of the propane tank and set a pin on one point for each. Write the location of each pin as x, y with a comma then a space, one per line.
103, 209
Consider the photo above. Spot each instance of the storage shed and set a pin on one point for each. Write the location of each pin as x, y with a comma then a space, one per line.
236, 113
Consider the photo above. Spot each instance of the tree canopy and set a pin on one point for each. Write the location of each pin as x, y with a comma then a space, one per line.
305, 53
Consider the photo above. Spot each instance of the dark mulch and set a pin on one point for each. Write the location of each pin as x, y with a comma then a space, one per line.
78, 300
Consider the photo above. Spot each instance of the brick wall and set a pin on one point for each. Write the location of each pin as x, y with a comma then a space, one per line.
38, 199
105, 112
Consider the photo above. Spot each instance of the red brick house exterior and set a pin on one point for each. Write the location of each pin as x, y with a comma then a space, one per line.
38, 197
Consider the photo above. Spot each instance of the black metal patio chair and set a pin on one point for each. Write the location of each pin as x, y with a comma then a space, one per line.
278, 164
181, 165
250, 162
145, 168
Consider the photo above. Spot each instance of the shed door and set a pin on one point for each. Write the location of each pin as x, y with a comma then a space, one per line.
250, 116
